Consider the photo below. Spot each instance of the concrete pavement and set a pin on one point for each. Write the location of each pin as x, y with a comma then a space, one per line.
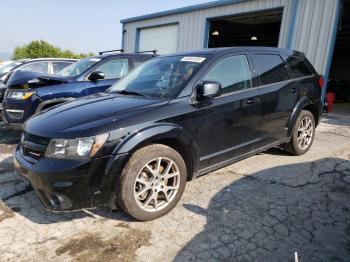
263, 208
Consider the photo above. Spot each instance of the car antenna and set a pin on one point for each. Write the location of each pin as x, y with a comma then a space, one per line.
149, 51
111, 51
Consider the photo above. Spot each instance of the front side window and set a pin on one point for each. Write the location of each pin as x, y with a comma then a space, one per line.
40, 67
79, 67
232, 73
58, 66
115, 68
271, 68
162, 77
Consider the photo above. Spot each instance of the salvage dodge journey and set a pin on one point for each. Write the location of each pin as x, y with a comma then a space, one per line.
170, 120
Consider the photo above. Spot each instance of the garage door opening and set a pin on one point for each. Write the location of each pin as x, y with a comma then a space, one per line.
260, 29
161, 38
339, 77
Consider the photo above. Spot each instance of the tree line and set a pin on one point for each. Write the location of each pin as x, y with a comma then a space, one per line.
41, 48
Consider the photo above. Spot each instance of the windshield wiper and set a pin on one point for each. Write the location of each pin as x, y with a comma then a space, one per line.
130, 92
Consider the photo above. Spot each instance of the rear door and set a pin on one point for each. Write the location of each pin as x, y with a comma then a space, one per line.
278, 95
229, 124
113, 69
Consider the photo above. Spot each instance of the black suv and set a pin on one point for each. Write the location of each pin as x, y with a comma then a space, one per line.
170, 120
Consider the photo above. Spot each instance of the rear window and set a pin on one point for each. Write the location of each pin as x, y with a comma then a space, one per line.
271, 68
298, 67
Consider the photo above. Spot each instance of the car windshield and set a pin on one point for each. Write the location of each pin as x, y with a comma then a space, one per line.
7, 68
79, 67
162, 77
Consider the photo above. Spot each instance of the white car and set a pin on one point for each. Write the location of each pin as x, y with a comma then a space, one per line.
4, 63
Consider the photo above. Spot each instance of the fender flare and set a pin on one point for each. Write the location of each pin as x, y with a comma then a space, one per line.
53, 101
300, 105
153, 133
148, 135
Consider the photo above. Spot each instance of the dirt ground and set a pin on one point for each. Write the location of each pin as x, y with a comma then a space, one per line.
263, 208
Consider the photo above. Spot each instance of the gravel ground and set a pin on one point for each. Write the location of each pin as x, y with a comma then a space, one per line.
263, 208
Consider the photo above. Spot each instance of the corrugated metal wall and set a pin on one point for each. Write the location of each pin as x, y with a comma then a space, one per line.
312, 29
192, 24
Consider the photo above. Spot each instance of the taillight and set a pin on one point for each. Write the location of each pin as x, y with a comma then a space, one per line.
321, 81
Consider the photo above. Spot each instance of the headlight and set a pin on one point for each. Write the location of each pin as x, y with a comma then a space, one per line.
80, 148
19, 95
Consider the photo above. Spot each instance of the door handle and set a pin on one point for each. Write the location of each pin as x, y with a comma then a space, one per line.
293, 90
252, 101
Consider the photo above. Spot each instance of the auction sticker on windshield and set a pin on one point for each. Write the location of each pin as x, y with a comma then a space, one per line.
194, 59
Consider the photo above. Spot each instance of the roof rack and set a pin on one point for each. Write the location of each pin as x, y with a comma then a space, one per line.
111, 51
148, 51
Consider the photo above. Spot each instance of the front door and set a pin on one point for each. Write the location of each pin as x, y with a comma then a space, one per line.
229, 124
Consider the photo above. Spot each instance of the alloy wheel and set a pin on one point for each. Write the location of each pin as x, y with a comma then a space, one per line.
305, 133
157, 184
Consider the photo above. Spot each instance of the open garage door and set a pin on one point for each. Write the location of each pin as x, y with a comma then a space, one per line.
339, 77
161, 38
260, 29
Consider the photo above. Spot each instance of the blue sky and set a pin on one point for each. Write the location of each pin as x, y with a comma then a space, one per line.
78, 25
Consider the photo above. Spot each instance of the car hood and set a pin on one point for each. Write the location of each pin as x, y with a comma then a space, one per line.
89, 115
27, 79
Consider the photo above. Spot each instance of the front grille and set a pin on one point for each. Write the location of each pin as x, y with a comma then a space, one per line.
33, 146
14, 113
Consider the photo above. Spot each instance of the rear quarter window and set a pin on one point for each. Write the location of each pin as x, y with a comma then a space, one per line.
271, 68
298, 67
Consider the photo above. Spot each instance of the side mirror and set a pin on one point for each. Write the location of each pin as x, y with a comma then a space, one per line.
96, 75
208, 89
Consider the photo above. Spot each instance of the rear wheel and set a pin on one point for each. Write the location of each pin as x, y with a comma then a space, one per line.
303, 134
152, 182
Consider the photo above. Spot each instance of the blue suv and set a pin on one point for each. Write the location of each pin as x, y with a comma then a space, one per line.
29, 93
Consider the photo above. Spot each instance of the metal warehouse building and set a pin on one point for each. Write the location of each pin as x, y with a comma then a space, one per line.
319, 28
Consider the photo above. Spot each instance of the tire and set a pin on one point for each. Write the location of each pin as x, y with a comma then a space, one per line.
296, 146
145, 183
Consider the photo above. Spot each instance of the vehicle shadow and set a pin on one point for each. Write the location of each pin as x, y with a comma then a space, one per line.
9, 136
269, 215
335, 120
275, 151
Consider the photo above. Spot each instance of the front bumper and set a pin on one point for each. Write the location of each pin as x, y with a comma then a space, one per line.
68, 184
17, 112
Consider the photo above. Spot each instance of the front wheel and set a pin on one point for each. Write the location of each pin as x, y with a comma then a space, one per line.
303, 134
152, 182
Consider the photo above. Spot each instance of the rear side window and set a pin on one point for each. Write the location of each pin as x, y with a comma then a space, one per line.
271, 68
58, 66
298, 67
40, 67
232, 73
